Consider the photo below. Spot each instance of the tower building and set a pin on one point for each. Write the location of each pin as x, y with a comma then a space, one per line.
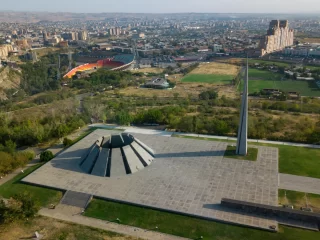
278, 36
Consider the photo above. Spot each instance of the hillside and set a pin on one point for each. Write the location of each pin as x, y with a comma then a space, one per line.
9, 79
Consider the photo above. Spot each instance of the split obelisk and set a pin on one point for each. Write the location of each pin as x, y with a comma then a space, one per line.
243, 123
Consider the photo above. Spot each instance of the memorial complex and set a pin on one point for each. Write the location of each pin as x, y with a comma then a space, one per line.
178, 175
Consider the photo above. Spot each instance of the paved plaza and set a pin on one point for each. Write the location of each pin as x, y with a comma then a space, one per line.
187, 176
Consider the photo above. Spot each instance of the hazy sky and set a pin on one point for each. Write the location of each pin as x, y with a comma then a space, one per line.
164, 6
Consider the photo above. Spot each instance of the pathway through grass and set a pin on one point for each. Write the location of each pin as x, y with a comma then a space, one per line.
187, 226
44, 196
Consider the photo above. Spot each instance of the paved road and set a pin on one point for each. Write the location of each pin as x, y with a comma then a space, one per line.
73, 214
297, 183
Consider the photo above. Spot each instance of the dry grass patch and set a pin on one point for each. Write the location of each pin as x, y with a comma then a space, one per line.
217, 68
149, 70
311, 40
299, 199
53, 229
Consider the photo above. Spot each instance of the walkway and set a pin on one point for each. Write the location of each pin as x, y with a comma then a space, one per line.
18, 171
169, 134
300, 184
73, 214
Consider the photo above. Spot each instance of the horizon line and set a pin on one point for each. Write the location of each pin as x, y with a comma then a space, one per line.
45, 11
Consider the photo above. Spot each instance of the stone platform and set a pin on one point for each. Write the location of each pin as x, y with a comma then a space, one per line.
187, 176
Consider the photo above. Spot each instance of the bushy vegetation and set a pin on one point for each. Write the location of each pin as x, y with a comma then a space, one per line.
51, 97
106, 78
9, 161
30, 131
208, 115
46, 156
42, 75
67, 142
21, 206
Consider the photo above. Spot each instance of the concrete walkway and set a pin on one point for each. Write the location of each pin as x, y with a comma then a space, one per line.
73, 214
16, 172
169, 134
300, 184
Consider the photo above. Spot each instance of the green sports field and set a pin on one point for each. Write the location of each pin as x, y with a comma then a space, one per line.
263, 75
259, 80
208, 78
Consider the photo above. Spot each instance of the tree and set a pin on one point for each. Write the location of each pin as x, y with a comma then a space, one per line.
10, 146
20, 206
46, 156
67, 142
314, 137
123, 118
210, 94
29, 207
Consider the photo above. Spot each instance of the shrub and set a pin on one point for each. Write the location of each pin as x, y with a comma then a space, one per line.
46, 156
67, 142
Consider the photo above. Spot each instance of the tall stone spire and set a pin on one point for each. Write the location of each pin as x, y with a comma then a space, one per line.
243, 123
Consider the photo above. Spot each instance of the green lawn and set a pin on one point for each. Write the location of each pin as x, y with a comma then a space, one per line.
252, 153
298, 199
292, 160
259, 79
299, 161
44, 196
263, 75
187, 226
208, 78
280, 64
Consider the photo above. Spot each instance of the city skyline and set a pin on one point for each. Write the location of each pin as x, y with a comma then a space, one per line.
165, 6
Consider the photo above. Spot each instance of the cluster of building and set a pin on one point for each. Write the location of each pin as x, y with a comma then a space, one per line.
5, 50
279, 36
162, 40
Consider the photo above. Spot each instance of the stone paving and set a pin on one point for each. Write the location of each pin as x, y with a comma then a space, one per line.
187, 176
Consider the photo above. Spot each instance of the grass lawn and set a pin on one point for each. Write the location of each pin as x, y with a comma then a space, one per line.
299, 161
208, 78
44, 196
259, 79
280, 64
298, 199
263, 74
252, 153
187, 226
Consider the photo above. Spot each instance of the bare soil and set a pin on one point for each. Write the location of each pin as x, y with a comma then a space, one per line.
52, 229
217, 68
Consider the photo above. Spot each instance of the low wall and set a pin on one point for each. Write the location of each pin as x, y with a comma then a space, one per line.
272, 211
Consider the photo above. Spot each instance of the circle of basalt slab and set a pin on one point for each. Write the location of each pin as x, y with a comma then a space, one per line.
117, 155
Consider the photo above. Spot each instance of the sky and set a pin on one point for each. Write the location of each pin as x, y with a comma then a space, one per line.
164, 6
